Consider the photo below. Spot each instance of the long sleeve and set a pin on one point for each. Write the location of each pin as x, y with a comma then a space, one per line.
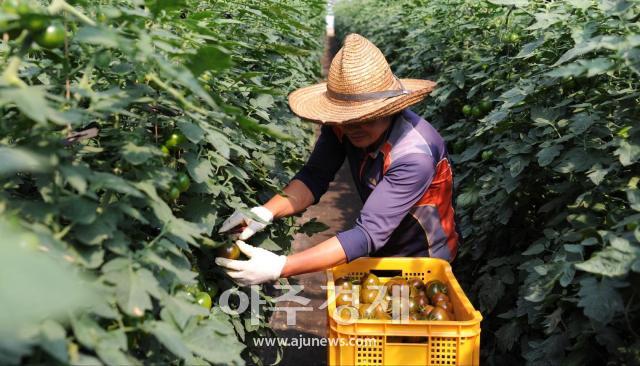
323, 164
400, 189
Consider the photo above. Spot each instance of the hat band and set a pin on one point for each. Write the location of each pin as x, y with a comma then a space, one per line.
368, 96
365, 96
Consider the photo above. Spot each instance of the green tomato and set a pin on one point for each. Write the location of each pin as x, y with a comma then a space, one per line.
52, 37
176, 139
466, 110
487, 154
513, 37
476, 111
486, 106
35, 23
203, 299
165, 151
183, 182
173, 193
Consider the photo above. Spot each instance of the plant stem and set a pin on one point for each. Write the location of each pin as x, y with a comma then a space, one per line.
58, 6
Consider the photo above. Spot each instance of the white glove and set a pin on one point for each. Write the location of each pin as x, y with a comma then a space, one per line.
252, 226
262, 266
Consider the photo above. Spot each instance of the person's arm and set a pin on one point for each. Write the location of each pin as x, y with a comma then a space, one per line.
325, 255
324, 162
297, 198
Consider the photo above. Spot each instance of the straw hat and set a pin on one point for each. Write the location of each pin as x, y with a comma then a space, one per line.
360, 87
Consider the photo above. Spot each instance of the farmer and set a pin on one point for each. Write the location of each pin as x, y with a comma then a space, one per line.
398, 162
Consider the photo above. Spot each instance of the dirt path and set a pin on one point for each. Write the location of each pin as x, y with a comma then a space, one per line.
338, 208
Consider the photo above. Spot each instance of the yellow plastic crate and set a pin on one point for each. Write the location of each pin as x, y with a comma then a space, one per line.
435, 342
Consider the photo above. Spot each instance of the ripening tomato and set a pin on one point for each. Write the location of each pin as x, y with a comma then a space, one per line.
230, 251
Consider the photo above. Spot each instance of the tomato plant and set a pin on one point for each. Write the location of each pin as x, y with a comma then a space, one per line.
128, 132
546, 178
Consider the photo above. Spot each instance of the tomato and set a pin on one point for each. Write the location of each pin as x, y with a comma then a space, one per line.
421, 300
415, 284
368, 295
466, 110
348, 313
176, 139
486, 155
343, 284
203, 299
344, 299
183, 182
230, 251
439, 296
35, 22
486, 106
434, 287
439, 314
165, 150
52, 37
173, 193
513, 38
426, 311
370, 281
367, 311
446, 305
398, 282
476, 111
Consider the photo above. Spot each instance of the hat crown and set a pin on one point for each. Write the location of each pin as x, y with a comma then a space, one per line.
360, 67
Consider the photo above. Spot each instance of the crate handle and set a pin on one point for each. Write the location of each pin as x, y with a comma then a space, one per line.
386, 272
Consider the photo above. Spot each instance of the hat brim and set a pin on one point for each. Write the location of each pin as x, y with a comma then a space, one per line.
311, 103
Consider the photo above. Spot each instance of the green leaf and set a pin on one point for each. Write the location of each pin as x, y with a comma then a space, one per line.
628, 153
53, 340
508, 334
546, 155
137, 155
600, 299
15, 160
191, 131
157, 6
170, 338
205, 340
183, 274
182, 308
517, 164
613, 260
30, 100
209, 58
87, 331
132, 288
99, 36
199, 169
633, 196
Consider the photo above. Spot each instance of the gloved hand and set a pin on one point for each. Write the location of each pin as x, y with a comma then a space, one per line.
262, 266
252, 226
